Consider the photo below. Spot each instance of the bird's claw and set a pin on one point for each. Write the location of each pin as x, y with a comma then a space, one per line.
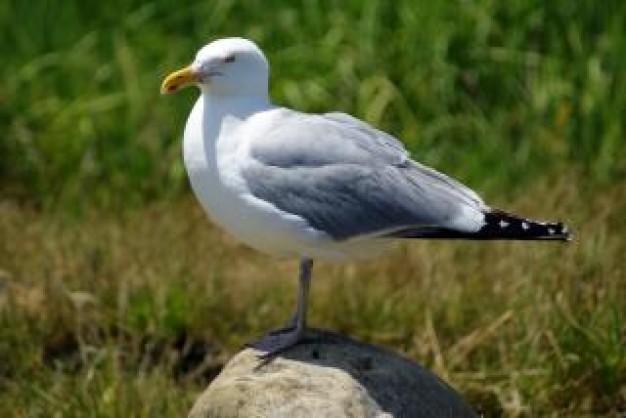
277, 341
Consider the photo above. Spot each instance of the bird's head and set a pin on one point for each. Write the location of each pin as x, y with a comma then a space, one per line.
227, 67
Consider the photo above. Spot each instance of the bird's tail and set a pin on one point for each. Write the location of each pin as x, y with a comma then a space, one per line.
498, 225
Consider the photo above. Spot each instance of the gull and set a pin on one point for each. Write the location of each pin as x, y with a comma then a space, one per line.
315, 186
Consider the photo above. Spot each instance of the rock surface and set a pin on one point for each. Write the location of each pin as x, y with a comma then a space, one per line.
330, 376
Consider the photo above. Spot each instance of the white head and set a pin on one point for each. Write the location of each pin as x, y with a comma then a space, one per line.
226, 67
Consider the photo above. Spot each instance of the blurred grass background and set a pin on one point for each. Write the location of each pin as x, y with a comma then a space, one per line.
118, 298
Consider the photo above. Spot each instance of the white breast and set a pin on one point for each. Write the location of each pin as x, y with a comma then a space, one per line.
213, 155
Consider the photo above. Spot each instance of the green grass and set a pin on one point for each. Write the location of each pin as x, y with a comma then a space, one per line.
493, 92
107, 282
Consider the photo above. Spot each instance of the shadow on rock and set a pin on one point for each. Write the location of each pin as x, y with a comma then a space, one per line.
328, 375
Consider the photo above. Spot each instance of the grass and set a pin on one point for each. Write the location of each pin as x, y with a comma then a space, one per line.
517, 328
524, 88
118, 301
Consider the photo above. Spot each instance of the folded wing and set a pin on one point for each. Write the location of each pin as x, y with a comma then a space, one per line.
348, 179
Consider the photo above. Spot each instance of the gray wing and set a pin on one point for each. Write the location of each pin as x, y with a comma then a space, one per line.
349, 179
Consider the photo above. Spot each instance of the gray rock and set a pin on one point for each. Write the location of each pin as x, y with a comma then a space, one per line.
330, 376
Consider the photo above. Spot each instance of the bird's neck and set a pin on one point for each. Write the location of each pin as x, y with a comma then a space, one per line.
222, 117
240, 107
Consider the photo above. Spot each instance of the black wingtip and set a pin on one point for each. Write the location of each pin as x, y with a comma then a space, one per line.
499, 225
506, 225
566, 235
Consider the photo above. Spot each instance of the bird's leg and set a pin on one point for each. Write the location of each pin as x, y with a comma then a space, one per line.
279, 340
298, 319
306, 267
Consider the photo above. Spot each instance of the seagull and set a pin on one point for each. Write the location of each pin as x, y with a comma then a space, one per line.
315, 186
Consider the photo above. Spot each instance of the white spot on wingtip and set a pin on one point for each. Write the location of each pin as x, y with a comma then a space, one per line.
503, 224
525, 225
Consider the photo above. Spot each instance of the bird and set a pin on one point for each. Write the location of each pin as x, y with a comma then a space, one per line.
315, 186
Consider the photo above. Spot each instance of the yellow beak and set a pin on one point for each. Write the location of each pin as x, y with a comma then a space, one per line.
179, 79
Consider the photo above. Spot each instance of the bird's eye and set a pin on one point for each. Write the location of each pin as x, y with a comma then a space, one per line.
229, 58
